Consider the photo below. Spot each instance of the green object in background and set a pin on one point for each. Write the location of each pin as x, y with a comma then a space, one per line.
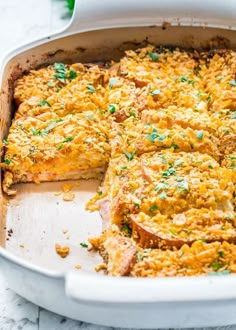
70, 5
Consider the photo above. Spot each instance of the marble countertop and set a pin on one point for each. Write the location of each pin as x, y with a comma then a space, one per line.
20, 22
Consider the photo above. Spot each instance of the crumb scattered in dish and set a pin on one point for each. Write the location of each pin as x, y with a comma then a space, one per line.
78, 266
62, 251
100, 267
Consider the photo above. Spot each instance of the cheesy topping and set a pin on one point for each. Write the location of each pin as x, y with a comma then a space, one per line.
163, 123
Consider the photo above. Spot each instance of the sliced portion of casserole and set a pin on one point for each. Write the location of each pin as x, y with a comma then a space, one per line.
137, 137
169, 199
50, 148
124, 258
83, 92
58, 78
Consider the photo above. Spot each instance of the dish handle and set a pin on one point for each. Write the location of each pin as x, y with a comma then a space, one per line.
86, 287
94, 15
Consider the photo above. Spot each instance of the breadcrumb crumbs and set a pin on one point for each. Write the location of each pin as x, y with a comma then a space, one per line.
62, 251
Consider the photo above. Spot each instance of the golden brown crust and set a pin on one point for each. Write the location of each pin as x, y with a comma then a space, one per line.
164, 123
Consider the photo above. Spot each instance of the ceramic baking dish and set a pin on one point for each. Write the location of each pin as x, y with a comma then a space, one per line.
36, 219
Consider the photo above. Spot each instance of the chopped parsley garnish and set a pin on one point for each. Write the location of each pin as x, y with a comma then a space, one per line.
173, 232
129, 155
161, 186
90, 88
60, 72
50, 83
127, 230
187, 231
72, 74
199, 135
7, 161
156, 92
208, 99
112, 108
171, 171
99, 193
217, 265
49, 128
58, 120
59, 67
162, 196
36, 132
69, 138
210, 166
113, 82
133, 114
5, 141
163, 160
43, 103
153, 208
139, 256
183, 186
232, 82
83, 244
220, 254
154, 56
60, 146
154, 135
175, 146
183, 79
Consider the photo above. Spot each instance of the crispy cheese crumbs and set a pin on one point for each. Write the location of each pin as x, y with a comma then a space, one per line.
100, 267
62, 251
78, 266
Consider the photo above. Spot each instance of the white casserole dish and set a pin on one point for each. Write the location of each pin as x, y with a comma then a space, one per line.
37, 217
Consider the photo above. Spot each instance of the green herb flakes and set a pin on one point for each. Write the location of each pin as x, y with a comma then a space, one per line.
153, 208
83, 245
7, 161
129, 155
156, 92
154, 56
112, 108
232, 82
126, 230
162, 196
72, 74
44, 103
173, 232
112, 82
161, 186
154, 135
199, 135
183, 186
90, 88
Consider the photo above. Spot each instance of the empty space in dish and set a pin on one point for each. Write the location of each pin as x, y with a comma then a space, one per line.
38, 218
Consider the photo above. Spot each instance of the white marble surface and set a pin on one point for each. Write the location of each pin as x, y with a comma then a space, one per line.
22, 21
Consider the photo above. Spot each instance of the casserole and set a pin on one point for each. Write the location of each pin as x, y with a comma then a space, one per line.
103, 300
